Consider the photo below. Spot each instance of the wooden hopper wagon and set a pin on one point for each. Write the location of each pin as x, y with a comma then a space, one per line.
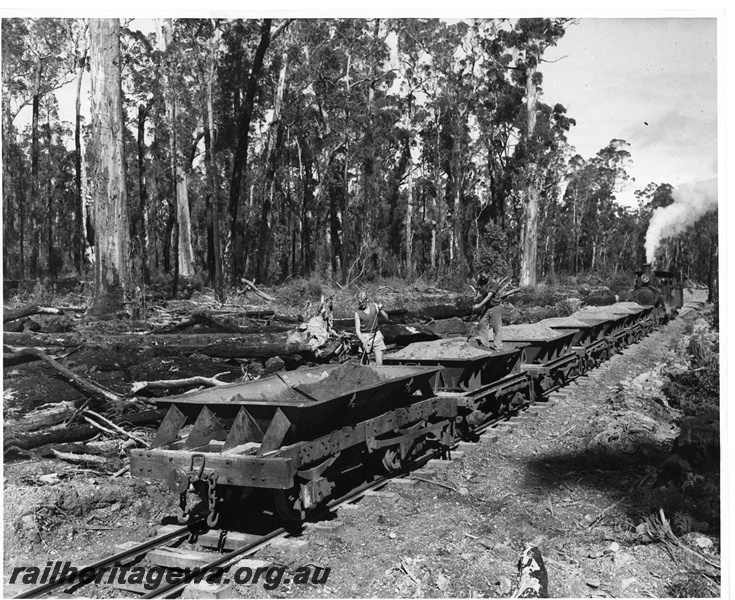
626, 323
588, 341
549, 358
293, 433
484, 383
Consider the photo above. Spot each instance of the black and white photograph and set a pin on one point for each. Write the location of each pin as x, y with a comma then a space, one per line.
373, 301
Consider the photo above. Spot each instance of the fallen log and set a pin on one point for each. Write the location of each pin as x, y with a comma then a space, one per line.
81, 459
295, 341
27, 311
109, 427
45, 416
61, 434
93, 389
251, 285
46, 340
199, 320
394, 333
197, 380
215, 345
454, 327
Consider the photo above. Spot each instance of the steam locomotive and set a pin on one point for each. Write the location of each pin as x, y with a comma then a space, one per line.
660, 289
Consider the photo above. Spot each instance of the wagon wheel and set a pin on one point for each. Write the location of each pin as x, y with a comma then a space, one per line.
288, 504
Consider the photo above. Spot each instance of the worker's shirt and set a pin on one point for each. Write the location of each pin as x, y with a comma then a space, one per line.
494, 301
369, 318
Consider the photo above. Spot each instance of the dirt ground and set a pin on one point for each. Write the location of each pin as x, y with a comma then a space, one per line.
586, 482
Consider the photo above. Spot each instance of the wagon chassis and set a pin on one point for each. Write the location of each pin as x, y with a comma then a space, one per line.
303, 465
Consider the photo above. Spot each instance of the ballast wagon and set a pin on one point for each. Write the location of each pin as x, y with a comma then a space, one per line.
294, 433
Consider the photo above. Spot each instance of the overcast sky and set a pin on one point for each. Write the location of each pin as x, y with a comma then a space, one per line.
651, 82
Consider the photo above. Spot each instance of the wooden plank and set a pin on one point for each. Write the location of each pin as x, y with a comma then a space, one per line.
233, 469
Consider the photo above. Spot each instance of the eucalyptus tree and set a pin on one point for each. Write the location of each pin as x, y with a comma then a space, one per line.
526, 41
552, 156
457, 59
202, 42
178, 147
78, 29
112, 273
142, 106
244, 101
414, 61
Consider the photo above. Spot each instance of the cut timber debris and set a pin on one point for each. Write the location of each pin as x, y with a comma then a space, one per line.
89, 388
251, 285
27, 311
45, 416
60, 434
108, 426
179, 383
81, 459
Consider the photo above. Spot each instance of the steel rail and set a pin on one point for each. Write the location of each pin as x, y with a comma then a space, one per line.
174, 588
41, 590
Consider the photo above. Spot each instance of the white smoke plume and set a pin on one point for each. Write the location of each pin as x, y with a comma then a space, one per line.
691, 203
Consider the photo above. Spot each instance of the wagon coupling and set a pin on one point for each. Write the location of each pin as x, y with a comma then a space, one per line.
180, 481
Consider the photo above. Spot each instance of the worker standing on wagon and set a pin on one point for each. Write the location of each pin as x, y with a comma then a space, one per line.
366, 327
488, 296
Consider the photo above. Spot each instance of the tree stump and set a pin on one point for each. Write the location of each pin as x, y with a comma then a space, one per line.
699, 442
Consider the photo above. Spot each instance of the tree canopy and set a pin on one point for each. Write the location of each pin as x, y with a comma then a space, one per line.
337, 148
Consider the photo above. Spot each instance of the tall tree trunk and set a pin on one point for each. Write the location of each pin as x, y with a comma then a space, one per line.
458, 242
409, 200
53, 260
185, 251
240, 159
139, 219
713, 294
275, 137
307, 197
345, 181
8, 183
530, 226
108, 176
437, 204
35, 183
343, 216
209, 142
78, 232
334, 190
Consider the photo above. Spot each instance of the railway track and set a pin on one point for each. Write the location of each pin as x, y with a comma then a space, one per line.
227, 559
219, 560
